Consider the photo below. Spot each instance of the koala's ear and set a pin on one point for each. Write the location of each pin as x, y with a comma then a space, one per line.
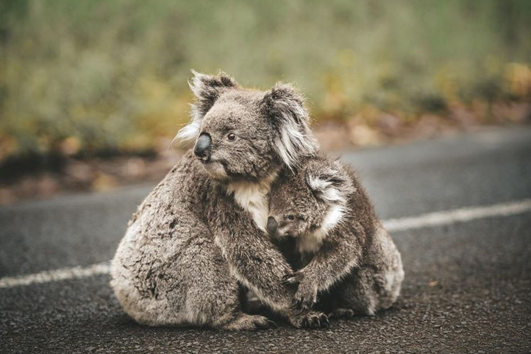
294, 138
207, 89
326, 183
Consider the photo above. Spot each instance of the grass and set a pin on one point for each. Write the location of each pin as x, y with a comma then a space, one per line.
87, 76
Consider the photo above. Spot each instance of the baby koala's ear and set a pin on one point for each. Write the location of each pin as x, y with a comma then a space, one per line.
207, 89
326, 183
291, 122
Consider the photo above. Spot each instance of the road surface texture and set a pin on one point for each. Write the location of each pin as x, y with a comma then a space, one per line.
468, 267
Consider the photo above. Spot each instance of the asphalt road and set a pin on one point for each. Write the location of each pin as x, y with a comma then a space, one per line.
467, 287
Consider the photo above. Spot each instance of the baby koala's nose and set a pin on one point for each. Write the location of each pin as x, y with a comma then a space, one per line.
271, 225
202, 146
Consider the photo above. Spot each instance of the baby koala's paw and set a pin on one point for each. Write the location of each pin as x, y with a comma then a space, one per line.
306, 295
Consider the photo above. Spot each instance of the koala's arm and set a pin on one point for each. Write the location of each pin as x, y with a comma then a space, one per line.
339, 254
253, 258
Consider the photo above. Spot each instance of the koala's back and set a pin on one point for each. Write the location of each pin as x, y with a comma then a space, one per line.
176, 203
380, 272
375, 282
360, 209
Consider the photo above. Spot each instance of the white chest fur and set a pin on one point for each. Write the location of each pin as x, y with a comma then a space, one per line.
252, 197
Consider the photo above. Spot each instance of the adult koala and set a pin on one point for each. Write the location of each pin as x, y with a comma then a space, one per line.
202, 229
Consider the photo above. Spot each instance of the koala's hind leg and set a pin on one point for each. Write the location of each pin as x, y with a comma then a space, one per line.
184, 285
356, 295
367, 290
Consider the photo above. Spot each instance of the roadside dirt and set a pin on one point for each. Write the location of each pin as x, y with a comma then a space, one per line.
102, 174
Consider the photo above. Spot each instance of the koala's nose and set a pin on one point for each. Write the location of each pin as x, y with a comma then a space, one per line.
271, 225
202, 146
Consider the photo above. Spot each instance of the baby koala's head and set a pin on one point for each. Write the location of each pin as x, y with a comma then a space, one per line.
309, 200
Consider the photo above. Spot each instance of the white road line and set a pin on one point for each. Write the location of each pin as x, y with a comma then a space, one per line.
458, 215
392, 225
56, 275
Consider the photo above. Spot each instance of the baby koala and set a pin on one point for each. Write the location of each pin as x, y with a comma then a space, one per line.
324, 223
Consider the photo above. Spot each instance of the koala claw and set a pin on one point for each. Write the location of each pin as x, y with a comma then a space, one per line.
309, 319
269, 324
326, 323
315, 320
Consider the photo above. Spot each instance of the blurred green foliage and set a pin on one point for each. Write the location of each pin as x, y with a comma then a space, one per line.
88, 75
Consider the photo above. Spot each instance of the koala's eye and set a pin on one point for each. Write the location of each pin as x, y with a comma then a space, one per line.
231, 137
290, 217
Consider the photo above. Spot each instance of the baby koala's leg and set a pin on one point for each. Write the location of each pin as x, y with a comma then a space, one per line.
355, 295
374, 287
367, 290
329, 303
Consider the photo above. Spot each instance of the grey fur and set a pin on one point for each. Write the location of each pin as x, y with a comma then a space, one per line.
200, 232
294, 134
340, 248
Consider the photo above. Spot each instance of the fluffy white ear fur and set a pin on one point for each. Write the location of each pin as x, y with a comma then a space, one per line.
324, 189
295, 138
207, 89
189, 133
328, 185
329, 182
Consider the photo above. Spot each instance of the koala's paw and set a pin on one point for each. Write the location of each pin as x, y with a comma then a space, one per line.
310, 319
247, 322
306, 295
342, 313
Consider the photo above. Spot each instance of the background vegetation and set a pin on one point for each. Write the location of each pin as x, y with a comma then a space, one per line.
86, 76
